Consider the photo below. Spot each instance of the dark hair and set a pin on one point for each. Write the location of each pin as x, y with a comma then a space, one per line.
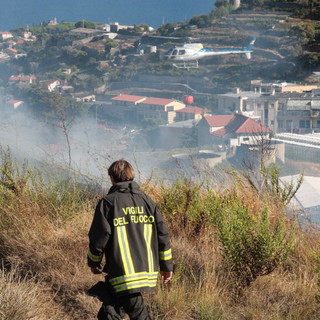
121, 170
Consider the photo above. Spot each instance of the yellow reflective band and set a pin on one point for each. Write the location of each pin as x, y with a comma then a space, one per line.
125, 250
147, 237
93, 257
136, 284
165, 255
134, 277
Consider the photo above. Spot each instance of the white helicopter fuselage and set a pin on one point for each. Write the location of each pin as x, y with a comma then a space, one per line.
195, 51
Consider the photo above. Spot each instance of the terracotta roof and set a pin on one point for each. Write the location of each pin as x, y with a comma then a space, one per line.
50, 81
235, 123
14, 101
128, 97
22, 78
12, 50
157, 101
219, 120
193, 110
27, 78
252, 126
220, 132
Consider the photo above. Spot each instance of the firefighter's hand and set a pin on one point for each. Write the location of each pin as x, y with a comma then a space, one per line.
166, 276
96, 270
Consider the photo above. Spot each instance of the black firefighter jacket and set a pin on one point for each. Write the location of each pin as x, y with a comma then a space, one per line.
129, 230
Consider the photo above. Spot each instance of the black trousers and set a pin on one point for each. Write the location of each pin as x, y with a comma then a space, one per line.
132, 304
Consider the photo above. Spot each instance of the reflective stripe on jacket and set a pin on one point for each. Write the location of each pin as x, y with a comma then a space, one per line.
129, 229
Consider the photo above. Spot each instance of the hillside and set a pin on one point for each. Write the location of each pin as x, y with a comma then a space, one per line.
240, 253
286, 49
282, 51
237, 254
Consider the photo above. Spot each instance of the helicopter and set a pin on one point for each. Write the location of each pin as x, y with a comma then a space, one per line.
187, 56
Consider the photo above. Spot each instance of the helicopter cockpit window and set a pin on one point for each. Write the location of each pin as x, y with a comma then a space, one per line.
182, 52
174, 52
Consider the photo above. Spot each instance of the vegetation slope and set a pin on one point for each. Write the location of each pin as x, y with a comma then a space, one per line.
238, 255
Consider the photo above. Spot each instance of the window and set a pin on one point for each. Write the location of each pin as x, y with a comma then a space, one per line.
318, 123
170, 108
245, 139
289, 124
182, 52
175, 52
304, 124
280, 124
244, 105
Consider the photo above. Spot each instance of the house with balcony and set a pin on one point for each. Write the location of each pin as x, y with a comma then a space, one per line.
14, 104
4, 35
12, 52
22, 79
231, 130
124, 107
52, 84
159, 109
191, 113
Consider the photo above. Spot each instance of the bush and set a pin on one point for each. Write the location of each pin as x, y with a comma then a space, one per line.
182, 203
252, 245
219, 12
201, 21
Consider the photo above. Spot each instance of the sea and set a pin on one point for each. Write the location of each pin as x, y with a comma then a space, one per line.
22, 13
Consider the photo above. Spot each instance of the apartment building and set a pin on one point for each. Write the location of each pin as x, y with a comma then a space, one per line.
280, 111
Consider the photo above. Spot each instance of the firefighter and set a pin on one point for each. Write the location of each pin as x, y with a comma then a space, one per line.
129, 230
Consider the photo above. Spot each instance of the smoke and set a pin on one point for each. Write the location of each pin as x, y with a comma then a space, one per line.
93, 147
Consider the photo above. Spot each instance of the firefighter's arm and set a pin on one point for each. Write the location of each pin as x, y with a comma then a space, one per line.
165, 254
99, 234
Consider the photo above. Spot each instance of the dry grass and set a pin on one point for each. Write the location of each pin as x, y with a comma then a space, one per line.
24, 299
46, 236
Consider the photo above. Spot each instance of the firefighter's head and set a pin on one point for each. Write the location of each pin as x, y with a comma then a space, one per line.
121, 170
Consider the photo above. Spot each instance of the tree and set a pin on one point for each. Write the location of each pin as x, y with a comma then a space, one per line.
109, 44
85, 24
304, 32
63, 111
56, 110
166, 29
190, 138
201, 21
219, 12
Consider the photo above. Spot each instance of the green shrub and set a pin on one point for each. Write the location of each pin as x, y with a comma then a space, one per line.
22, 186
182, 202
252, 245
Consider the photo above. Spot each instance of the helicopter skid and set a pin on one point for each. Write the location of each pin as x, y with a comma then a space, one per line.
187, 65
